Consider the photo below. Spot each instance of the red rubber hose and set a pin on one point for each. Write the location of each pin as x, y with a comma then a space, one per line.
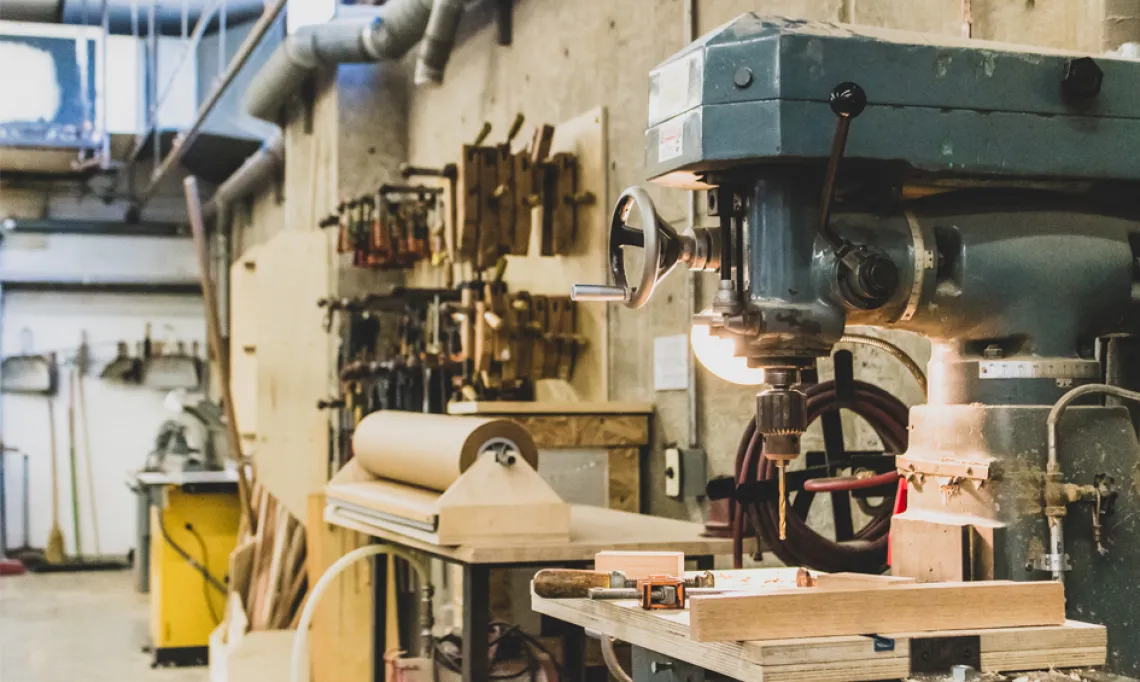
867, 551
846, 483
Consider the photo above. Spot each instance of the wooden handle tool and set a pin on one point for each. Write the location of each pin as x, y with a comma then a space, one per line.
562, 583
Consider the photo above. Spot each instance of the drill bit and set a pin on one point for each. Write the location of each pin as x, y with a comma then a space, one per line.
780, 468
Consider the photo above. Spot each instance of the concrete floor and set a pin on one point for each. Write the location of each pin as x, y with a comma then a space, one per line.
77, 626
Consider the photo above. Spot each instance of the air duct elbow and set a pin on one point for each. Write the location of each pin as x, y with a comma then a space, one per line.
404, 23
391, 35
299, 55
251, 176
438, 41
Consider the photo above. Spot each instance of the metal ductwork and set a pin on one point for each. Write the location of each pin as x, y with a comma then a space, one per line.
41, 11
389, 36
253, 174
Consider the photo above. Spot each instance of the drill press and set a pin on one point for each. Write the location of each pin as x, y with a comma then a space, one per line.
976, 193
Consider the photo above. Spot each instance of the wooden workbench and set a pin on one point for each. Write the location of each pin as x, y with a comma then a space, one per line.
592, 529
853, 658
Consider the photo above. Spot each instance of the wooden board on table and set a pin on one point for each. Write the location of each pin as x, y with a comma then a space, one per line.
848, 658
897, 608
507, 407
640, 564
592, 530
847, 581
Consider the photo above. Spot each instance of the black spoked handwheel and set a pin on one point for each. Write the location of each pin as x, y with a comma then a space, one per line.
655, 237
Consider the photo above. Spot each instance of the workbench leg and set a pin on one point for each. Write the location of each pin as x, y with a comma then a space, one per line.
706, 562
379, 616
573, 653
476, 621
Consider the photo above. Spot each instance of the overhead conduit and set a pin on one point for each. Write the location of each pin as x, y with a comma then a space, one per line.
399, 25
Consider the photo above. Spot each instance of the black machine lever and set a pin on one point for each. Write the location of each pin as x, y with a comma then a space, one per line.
870, 277
848, 100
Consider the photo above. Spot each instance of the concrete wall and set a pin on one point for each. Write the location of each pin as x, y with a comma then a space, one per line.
568, 57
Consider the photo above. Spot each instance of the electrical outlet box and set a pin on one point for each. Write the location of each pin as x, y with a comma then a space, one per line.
673, 472
686, 472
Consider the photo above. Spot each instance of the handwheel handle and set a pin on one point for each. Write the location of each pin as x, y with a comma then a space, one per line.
663, 248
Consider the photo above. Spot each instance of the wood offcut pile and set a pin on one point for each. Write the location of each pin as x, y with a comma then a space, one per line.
267, 568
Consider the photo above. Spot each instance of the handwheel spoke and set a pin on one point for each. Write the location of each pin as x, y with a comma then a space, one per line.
631, 236
802, 504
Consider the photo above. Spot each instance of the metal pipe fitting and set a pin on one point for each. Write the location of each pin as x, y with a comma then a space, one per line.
1053, 466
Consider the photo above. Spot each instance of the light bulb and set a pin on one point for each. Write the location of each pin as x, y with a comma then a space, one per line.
716, 353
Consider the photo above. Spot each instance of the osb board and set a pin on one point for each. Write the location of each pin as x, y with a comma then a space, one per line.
585, 430
849, 658
293, 366
243, 346
340, 642
584, 135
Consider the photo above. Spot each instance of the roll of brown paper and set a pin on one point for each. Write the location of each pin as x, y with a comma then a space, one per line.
431, 450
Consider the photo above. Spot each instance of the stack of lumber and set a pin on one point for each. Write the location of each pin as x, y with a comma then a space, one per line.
267, 569
849, 628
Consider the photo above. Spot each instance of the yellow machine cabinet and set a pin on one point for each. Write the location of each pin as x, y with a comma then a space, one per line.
190, 524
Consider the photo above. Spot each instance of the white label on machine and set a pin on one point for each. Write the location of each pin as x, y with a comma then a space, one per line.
671, 363
670, 139
676, 87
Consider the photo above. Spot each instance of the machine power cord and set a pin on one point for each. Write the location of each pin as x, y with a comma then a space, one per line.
867, 551
210, 579
502, 635
205, 584
891, 350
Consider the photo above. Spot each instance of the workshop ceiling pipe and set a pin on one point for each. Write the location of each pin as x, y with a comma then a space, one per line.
252, 175
389, 36
438, 41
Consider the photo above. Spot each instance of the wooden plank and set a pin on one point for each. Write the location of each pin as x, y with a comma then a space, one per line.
586, 430
919, 607
847, 581
264, 615
507, 407
931, 552
241, 568
641, 564
592, 530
